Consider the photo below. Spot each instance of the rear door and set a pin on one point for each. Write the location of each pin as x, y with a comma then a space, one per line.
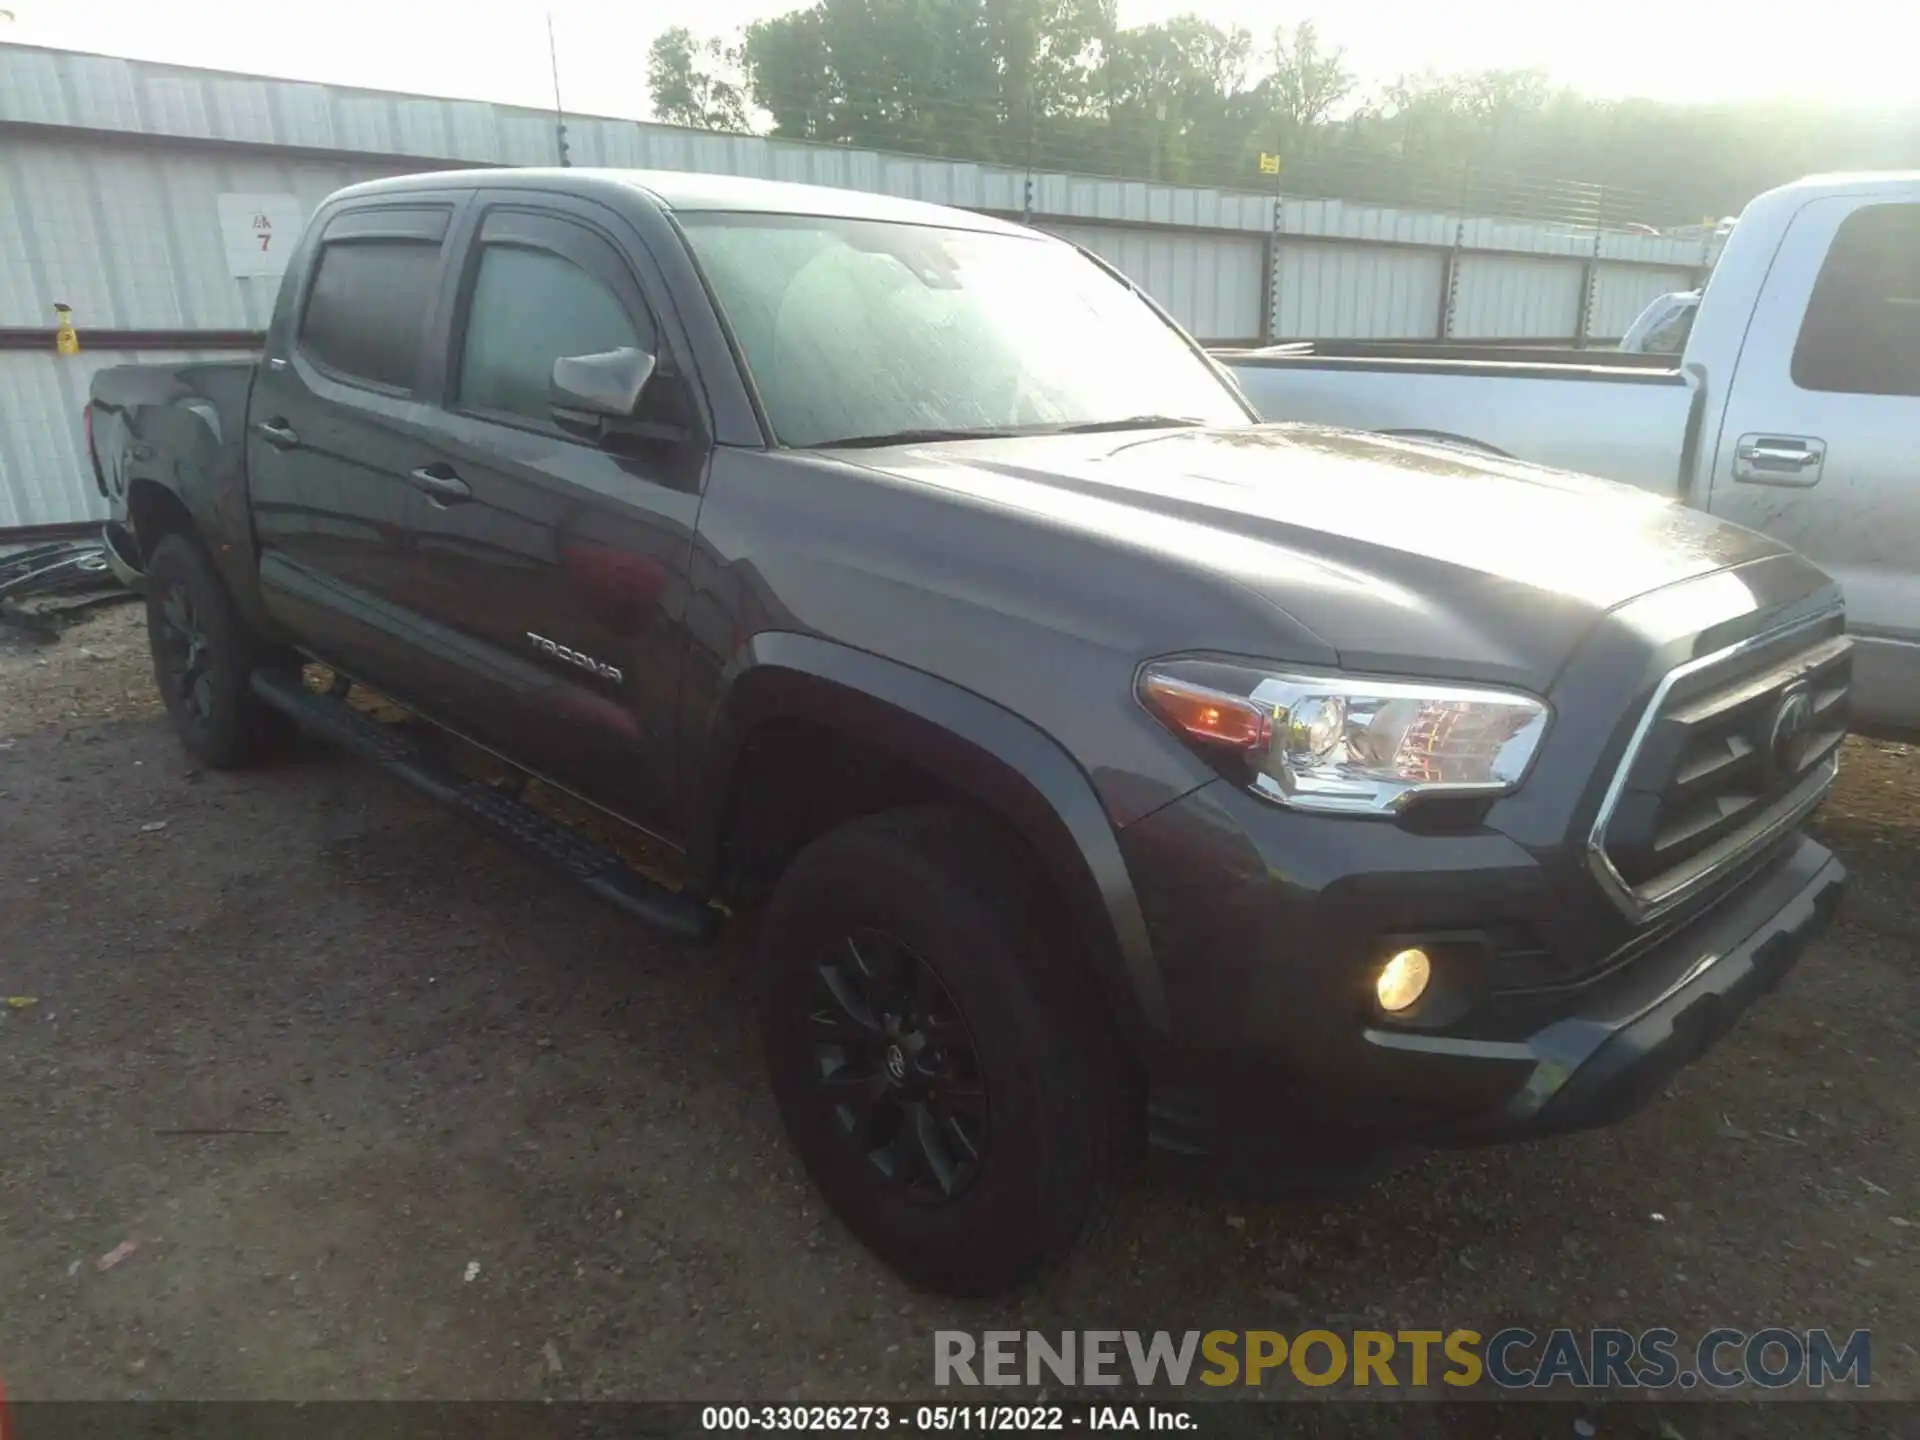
335, 428
1820, 445
558, 564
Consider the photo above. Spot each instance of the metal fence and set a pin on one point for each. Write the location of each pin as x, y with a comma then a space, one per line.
115, 176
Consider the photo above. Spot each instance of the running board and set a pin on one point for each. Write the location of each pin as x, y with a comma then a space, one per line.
591, 865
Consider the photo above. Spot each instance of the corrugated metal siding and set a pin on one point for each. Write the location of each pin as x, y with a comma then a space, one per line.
131, 239
1365, 222
1209, 283
45, 478
97, 92
1325, 291
1621, 292
1512, 297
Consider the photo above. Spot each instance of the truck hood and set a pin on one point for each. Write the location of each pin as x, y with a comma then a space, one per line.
1404, 555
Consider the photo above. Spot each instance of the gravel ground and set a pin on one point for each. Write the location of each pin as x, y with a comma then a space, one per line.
484, 1137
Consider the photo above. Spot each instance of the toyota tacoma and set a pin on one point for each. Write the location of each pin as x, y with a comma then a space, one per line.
1091, 760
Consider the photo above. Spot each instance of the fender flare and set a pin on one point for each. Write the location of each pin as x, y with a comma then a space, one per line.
1010, 766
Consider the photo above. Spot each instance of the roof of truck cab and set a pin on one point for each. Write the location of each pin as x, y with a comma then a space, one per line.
1844, 183
689, 192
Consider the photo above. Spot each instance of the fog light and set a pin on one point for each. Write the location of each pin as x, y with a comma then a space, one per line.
1403, 980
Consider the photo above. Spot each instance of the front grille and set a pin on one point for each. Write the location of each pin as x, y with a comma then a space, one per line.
1735, 749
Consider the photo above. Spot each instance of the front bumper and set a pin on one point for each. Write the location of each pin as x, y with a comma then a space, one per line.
1627, 1035
1277, 1065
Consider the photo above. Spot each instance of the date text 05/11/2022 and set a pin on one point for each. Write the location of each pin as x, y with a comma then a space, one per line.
988, 1419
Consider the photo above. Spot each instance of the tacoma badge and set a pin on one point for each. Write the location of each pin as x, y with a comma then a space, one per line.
574, 657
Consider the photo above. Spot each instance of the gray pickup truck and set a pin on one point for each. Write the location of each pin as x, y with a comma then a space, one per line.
1794, 407
1091, 761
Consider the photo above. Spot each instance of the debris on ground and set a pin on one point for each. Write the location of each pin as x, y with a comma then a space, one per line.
473, 1271
55, 685
45, 588
114, 1256
552, 1354
152, 826
22, 1002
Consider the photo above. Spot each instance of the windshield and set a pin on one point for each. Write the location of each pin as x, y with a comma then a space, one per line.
859, 330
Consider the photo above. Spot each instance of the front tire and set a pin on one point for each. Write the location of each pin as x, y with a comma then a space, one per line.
948, 1088
203, 656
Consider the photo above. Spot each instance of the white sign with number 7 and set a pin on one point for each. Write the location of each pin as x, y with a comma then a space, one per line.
260, 231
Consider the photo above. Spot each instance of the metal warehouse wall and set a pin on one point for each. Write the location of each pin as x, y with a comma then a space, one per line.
131, 238
110, 173
1508, 296
1621, 292
1210, 283
1356, 292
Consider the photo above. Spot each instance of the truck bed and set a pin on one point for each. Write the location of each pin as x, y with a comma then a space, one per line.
1624, 416
1467, 351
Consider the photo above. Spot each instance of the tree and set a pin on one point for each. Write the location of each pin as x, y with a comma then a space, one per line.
1473, 110
693, 82
1061, 85
1178, 107
1307, 81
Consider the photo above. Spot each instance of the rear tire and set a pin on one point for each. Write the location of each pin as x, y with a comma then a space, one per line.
203, 656
948, 1087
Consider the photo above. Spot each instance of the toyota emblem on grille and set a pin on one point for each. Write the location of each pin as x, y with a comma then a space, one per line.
1791, 730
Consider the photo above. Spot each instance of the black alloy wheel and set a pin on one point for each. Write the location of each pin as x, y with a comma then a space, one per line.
936, 1059
184, 653
897, 1067
203, 657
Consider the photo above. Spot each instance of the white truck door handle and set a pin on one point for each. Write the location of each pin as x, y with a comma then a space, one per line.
1793, 460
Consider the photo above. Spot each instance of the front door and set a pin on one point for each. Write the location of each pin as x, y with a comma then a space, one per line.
558, 563
1820, 446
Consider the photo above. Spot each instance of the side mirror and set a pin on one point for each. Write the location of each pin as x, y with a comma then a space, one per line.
587, 390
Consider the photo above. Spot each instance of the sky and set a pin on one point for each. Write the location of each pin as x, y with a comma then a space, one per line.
1845, 51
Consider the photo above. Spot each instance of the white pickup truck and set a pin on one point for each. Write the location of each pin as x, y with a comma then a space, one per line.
1794, 409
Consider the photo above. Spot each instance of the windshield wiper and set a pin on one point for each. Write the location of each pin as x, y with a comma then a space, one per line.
914, 437
1130, 422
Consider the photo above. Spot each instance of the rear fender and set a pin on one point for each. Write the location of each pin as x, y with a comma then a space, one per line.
190, 442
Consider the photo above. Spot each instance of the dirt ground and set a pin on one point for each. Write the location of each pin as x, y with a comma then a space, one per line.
481, 1136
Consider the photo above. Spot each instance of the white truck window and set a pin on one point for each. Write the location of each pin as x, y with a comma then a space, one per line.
1861, 334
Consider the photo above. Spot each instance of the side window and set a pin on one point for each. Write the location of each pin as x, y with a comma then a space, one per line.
1862, 330
366, 308
529, 308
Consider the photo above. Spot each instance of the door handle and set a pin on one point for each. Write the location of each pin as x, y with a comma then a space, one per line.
277, 433
1792, 460
440, 484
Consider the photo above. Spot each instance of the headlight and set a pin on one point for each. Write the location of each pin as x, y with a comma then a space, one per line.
1352, 744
